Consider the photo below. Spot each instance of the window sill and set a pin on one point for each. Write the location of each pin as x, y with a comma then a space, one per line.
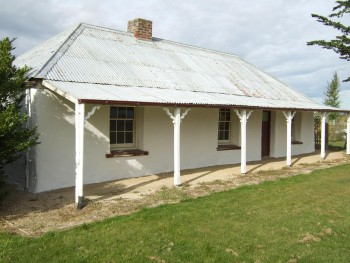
296, 142
126, 153
227, 147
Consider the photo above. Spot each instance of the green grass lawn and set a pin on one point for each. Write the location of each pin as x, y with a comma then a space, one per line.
336, 145
305, 218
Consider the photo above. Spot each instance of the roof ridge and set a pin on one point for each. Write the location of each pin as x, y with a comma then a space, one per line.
162, 39
60, 51
197, 47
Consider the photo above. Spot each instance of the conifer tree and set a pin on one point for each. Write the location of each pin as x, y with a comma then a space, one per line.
332, 95
341, 43
15, 137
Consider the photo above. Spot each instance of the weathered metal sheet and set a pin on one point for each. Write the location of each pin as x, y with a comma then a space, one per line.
37, 57
94, 59
114, 65
123, 94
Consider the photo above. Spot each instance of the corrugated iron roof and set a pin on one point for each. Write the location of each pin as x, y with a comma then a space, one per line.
98, 63
37, 57
109, 94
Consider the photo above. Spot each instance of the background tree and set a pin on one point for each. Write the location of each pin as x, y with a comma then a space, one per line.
341, 43
14, 136
332, 96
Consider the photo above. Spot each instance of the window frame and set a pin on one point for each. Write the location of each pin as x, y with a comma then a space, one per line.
229, 140
119, 146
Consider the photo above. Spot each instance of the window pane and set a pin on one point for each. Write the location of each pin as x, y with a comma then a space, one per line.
227, 116
130, 113
113, 112
120, 125
221, 136
112, 137
226, 134
128, 137
112, 125
129, 125
224, 115
221, 116
120, 137
227, 126
221, 126
122, 112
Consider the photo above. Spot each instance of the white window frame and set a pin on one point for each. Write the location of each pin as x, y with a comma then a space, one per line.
229, 140
119, 146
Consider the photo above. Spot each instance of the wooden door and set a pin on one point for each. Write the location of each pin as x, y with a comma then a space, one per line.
265, 134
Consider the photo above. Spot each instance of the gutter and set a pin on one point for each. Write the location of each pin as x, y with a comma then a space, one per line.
193, 105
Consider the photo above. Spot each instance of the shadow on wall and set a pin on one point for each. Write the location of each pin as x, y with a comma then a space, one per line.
55, 161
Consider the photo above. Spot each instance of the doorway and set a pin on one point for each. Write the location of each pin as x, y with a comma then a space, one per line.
265, 134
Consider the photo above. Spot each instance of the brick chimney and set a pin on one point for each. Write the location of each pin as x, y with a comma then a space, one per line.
141, 28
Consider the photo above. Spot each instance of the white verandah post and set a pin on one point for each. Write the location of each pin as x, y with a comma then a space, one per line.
348, 135
323, 134
177, 125
243, 116
79, 153
289, 116
177, 117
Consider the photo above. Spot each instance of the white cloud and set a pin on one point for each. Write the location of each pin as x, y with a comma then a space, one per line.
271, 34
345, 99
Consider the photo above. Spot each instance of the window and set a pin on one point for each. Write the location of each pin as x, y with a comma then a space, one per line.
224, 133
122, 127
296, 129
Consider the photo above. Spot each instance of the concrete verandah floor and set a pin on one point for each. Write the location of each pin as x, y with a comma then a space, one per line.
134, 188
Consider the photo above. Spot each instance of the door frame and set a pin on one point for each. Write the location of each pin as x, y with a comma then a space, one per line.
265, 136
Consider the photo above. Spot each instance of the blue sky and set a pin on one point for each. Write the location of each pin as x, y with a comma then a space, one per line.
271, 34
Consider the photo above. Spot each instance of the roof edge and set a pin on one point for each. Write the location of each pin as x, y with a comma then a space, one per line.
193, 105
60, 51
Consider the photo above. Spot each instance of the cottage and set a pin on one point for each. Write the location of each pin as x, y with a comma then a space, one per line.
111, 104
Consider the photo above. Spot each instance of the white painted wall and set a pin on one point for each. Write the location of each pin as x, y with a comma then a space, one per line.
55, 167
306, 135
54, 156
304, 132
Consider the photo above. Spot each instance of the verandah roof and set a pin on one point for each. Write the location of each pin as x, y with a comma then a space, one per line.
111, 94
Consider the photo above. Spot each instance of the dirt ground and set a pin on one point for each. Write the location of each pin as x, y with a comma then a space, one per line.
34, 214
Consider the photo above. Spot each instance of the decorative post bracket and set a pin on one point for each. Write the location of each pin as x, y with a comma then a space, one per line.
240, 114
287, 116
183, 115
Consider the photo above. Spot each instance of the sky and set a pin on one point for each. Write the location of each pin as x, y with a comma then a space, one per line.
271, 34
